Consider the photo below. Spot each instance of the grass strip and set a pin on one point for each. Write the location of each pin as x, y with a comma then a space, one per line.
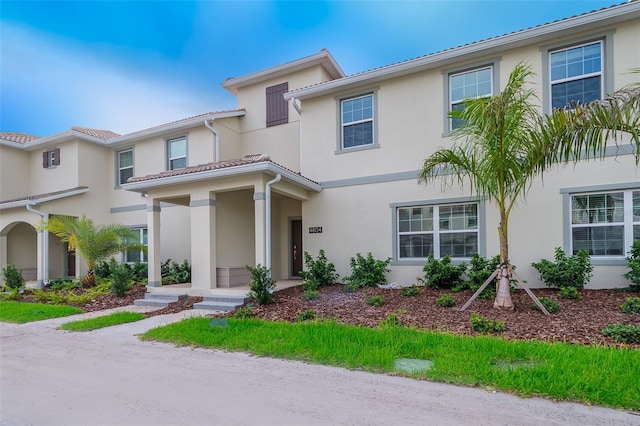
102, 321
21, 313
591, 374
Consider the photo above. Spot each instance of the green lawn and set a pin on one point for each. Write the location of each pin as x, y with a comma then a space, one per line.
591, 374
102, 321
20, 313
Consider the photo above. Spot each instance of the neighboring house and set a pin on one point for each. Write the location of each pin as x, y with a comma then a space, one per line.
336, 157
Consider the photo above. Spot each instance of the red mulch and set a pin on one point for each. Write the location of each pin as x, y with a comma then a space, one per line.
579, 321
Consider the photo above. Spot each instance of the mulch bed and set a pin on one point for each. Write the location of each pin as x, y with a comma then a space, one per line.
579, 321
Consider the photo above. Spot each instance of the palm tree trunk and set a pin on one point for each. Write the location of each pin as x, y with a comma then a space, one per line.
503, 295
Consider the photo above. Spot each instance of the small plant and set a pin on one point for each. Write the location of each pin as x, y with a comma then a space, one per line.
480, 269
484, 325
375, 300
446, 301
633, 262
441, 273
308, 315
12, 278
310, 284
351, 287
103, 269
121, 277
551, 306
623, 333
569, 293
391, 320
573, 271
261, 284
320, 271
311, 294
244, 312
631, 305
409, 291
63, 284
367, 271
173, 272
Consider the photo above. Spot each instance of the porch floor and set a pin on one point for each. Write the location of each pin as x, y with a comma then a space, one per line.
234, 291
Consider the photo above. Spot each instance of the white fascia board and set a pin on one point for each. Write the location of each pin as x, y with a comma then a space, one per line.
593, 20
66, 136
23, 203
323, 57
172, 127
265, 166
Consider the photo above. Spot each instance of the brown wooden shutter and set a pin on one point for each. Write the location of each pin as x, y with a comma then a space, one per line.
56, 157
45, 159
277, 107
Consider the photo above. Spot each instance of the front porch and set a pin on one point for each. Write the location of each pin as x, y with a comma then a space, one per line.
186, 288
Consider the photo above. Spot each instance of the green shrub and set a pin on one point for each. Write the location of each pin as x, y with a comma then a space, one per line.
622, 333
320, 270
573, 271
173, 272
633, 262
367, 271
409, 291
141, 271
480, 269
391, 320
308, 315
552, 306
103, 269
631, 305
261, 284
441, 273
244, 312
63, 284
311, 294
569, 293
351, 287
446, 301
484, 325
376, 300
121, 279
12, 278
310, 284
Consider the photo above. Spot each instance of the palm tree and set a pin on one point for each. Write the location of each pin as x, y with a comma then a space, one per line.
93, 243
506, 144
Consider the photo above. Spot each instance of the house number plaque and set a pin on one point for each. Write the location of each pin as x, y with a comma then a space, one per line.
315, 229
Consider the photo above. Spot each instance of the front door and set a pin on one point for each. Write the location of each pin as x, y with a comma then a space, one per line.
71, 262
296, 248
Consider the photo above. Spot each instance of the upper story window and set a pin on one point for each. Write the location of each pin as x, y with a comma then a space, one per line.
357, 121
125, 165
576, 75
474, 83
277, 107
51, 158
437, 230
177, 153
605, 223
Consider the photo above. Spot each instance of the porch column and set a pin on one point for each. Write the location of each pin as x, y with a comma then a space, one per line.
40, 268
153, 243
203, 241
3, 252
260, 227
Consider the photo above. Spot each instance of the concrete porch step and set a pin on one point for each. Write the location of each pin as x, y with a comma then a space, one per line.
158, 299
221, 303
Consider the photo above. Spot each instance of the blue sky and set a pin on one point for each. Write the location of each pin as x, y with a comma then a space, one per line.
128, 65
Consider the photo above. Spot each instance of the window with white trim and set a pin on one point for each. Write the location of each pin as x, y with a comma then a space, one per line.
576, 75
357, 117
605, 223
177, 153
437, 230
134, 255
125, 165
476, 83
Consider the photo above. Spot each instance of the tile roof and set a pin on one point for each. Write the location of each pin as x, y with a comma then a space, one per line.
101, 134
45, 195
247, 159
18, 137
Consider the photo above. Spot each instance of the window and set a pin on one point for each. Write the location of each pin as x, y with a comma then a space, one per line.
277, 107
437, 230
51, 158
605, 223
357, 121
576, 75
131, 256
125, 166
177, 152
469, 84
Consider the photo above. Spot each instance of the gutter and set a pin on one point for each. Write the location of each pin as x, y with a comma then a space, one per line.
45, 246
217, 139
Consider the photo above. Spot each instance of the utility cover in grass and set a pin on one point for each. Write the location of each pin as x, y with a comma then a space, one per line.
219, 323
411, 366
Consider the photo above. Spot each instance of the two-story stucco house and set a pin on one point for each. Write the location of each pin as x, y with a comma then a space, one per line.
313, 159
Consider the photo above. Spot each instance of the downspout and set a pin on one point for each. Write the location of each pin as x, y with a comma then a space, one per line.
208, 126
296, 106
45, 245
267, 191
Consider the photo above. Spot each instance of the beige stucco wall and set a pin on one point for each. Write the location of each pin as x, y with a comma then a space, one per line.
235, 236
64, 176
21, 246
14, 173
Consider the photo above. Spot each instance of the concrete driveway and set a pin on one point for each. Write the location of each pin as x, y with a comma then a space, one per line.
109, 377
